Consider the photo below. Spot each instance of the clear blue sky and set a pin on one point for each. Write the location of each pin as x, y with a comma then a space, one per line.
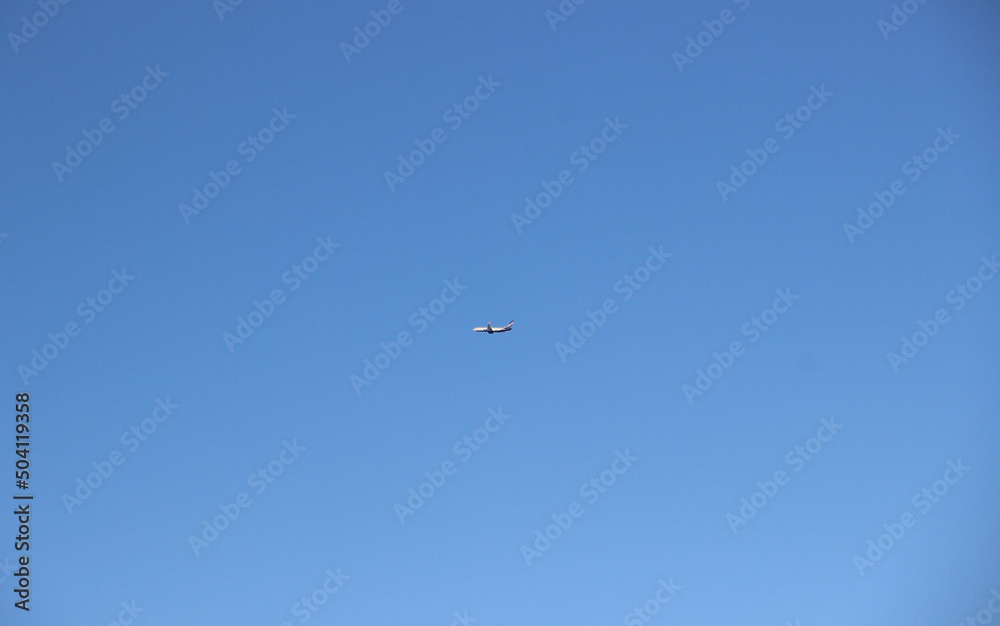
115, 115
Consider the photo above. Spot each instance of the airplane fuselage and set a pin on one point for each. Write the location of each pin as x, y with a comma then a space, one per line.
489, 328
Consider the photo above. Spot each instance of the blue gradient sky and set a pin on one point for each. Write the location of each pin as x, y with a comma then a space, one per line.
342, 456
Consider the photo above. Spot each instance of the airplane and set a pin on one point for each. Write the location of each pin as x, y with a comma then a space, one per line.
489, 328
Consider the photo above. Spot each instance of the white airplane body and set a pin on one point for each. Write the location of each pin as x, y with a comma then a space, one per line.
489, 328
